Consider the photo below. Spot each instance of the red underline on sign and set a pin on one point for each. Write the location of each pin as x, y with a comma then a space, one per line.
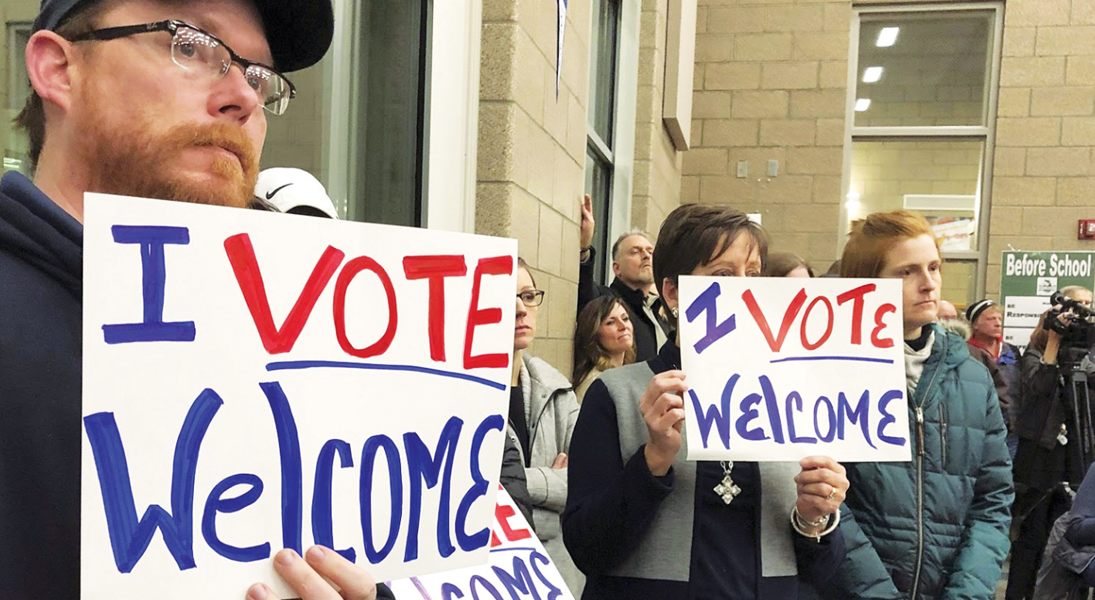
852, 358
293, 365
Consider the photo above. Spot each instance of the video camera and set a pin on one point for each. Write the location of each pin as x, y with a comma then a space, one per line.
1078, 329
1077, 332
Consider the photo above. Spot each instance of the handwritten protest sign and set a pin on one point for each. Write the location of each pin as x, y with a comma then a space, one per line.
254, 381
519, 567
780, 369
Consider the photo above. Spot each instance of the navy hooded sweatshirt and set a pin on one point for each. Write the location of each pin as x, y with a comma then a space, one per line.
41, 269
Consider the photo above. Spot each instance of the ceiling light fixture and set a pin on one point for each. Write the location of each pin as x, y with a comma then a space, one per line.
872, 74
862, 104
887, 37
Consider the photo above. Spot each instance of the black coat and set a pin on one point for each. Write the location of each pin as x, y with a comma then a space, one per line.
1041, 461
513, 480
41, 271
646, 338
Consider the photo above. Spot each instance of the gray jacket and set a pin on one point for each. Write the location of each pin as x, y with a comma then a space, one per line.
551, 411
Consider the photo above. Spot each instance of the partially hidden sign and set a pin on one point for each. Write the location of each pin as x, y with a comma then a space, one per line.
254, 381
1027, 280
519, 567
783, 368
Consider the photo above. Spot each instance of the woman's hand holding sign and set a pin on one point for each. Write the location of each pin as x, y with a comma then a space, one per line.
662, 406
822, 486
309, 577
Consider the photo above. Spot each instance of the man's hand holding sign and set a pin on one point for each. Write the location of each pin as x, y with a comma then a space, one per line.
255, 381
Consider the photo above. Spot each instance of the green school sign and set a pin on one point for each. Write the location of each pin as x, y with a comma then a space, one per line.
1028, 278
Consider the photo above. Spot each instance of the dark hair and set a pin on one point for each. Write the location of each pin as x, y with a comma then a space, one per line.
782, 263
695, 234
308, 211
589, 354
1039, 337
834, 269
32, 118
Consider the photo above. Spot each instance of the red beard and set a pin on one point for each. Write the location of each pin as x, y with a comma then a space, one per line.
136, 160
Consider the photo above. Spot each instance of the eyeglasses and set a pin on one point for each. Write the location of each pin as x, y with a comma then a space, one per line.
531, 298
200, 52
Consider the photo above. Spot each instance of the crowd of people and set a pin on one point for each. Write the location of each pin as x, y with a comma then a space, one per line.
595, 461
640, 520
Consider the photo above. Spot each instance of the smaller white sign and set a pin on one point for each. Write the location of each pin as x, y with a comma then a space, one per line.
519, 566
1018, 337
1024, 311
784, 368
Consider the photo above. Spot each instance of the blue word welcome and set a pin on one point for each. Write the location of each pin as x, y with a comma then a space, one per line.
427, 468
828, 419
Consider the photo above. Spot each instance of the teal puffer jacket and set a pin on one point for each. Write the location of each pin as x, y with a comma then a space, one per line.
936, 527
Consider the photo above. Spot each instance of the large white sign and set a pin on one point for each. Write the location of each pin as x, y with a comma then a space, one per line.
519, 567
783, 368
254, 381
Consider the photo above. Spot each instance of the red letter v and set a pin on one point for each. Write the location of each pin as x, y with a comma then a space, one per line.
788, 317
246, 267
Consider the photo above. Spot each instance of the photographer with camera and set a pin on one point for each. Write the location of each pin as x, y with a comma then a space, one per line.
1052, 419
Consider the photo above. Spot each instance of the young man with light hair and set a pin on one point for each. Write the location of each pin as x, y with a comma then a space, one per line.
149, 98
937, 526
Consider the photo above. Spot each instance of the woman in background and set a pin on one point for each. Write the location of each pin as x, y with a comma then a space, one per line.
603, 339
785, 264
542, 415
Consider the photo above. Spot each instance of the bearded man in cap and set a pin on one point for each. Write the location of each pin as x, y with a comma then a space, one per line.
152, 98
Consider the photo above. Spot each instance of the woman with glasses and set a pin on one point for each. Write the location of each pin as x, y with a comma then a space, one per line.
641, 520
542, 413
603, 339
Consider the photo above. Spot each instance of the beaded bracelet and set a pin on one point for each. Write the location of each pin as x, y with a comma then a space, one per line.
798, 524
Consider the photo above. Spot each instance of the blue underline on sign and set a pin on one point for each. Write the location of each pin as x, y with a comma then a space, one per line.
852, 358
292, 365
513, 549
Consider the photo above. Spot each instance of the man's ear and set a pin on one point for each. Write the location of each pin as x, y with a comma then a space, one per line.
616, 268
49, 65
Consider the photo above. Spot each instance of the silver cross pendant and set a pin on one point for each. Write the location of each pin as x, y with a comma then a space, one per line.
727, 489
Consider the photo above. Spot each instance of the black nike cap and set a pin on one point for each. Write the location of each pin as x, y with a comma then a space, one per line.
299, 32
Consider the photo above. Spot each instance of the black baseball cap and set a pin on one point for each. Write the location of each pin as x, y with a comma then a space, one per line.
299, 32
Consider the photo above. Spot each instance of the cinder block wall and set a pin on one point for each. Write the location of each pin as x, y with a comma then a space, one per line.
770, 84
532, 151
657, 174
1044, 179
